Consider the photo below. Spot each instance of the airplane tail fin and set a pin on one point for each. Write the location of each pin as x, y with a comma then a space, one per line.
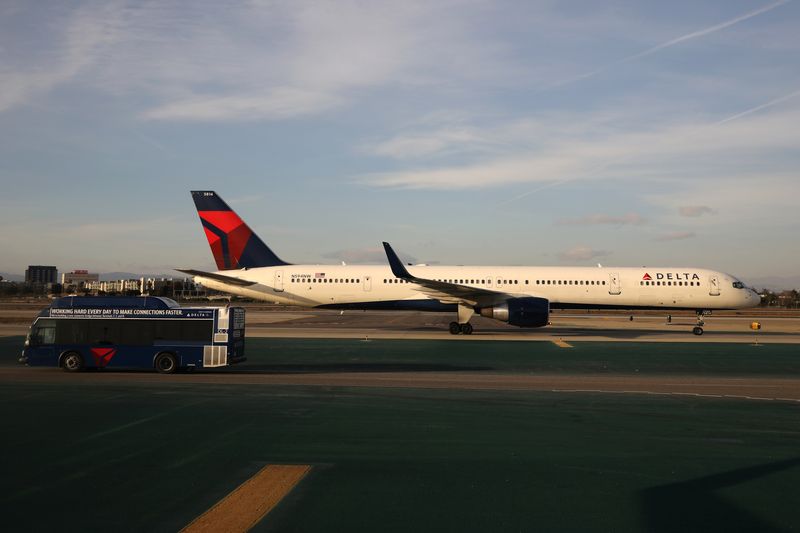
232, 242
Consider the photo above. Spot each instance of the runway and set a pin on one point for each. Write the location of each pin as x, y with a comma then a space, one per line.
445, 431
743, 388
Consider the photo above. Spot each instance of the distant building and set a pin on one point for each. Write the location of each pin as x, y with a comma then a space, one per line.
113, 287
41, 274
78, 278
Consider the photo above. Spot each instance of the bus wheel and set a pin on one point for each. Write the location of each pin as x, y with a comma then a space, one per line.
166, 363
72, 362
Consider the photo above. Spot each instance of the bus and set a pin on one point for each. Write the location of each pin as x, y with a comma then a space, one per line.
81, 332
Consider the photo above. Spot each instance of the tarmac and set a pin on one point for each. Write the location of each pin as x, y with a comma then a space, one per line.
596, 422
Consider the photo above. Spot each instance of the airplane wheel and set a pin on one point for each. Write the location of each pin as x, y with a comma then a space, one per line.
466, 329
697, 330
455, 328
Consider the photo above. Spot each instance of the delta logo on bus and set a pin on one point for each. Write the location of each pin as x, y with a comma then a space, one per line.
671, 276
102, 356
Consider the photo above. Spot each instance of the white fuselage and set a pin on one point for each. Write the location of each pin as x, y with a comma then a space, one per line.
352, 286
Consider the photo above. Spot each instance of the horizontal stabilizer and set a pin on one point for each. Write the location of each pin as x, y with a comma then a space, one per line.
218, 277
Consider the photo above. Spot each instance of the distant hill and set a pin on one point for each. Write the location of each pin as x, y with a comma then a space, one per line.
113, 276
774, 283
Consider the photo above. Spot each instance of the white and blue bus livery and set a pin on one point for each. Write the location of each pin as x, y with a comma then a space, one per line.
147, 332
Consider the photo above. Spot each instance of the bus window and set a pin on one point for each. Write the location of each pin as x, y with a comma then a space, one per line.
44, 333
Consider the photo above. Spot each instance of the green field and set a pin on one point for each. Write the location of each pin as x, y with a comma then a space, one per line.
135, 457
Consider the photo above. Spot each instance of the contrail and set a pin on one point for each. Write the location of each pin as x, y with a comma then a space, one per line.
706, 31
673, 42
758, 108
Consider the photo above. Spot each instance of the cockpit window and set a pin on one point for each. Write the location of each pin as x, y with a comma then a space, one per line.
738, 285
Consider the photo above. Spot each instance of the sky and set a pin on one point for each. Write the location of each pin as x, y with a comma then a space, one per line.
625, 133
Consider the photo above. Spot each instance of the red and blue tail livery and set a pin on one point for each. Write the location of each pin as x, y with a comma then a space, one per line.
232, 242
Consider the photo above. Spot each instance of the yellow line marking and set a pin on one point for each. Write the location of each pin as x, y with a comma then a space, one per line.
561, 344
246, 505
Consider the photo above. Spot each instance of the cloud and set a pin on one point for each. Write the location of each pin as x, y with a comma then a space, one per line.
696, 210
603, 145
256, 60
443, 141
676, 236
88, 30
630, 219
581, 253
278, 103
366, 255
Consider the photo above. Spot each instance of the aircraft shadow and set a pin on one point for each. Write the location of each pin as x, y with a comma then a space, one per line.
694, 505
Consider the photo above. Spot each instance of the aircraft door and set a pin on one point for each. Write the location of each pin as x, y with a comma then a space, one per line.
614, 285
713, 287
278, 285
367, 283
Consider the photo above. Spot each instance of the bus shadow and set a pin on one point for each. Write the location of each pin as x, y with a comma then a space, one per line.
333, 368
696, 505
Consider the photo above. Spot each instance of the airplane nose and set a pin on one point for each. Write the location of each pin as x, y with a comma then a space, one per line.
753, 298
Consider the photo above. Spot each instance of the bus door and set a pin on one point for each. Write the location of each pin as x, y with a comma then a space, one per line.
221, 331
614, 286
278, 285
713, 288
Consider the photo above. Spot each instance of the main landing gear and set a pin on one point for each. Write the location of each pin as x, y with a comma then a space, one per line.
456, 328
698, 329
463, 325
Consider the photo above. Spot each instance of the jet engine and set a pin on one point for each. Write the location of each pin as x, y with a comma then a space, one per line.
527, 312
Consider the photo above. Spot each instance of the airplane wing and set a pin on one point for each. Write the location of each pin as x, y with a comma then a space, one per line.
447, 292
218, 277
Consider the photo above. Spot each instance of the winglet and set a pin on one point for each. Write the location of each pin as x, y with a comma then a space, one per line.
398, 269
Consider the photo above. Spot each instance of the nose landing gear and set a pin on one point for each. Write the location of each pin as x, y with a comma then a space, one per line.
698, 329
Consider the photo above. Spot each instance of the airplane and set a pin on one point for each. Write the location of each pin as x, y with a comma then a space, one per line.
518, 295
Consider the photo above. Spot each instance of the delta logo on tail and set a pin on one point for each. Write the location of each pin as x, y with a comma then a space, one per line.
232, 242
